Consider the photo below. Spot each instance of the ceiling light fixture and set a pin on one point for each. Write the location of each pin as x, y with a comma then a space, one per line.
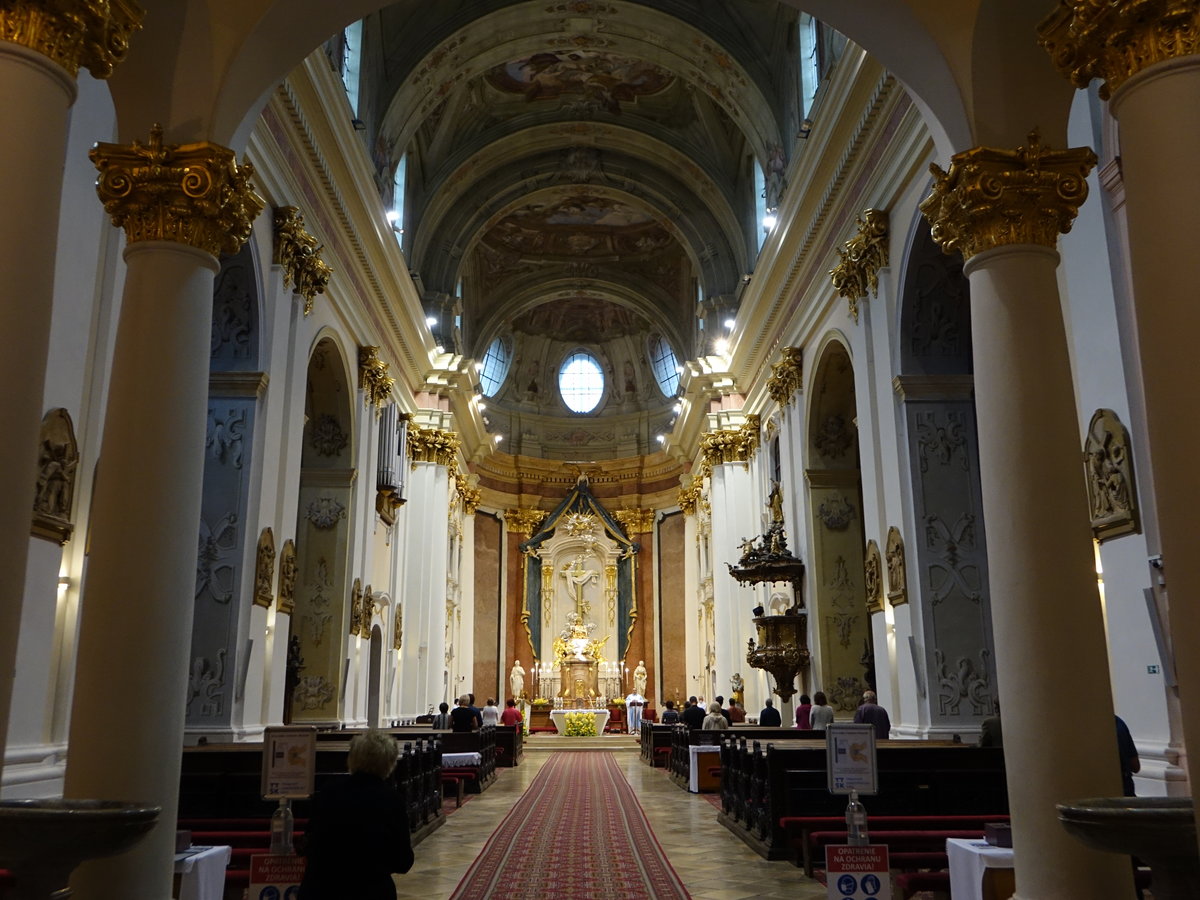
729, 323
721, 346
431, 321
770, 219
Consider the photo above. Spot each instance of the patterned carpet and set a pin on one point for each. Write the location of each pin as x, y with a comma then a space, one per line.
577, 832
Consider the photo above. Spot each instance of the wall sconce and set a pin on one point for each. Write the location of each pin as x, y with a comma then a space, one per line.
805, 129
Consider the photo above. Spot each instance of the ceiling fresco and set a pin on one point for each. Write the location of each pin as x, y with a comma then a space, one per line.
580, 173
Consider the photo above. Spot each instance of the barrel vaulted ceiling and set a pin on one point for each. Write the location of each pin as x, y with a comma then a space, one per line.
580, 174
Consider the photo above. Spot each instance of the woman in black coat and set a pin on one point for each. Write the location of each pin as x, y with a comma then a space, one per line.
357, 833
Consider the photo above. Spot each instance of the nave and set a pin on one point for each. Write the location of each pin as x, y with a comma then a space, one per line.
711, 863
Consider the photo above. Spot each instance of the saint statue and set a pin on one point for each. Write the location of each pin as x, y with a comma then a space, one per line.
738, 685
516, 680
775, 502
639, 678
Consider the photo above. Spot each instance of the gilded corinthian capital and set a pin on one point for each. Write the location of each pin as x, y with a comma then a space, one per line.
432, 445
739, 445
635, 521
787, 376
194, 194
299, 254
373, 376
1115, 41
523, 521
857, 275
72, 33
993, 198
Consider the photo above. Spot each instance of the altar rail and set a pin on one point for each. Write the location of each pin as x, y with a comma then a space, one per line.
762, 783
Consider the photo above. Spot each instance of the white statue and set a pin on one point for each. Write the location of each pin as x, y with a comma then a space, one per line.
516, 680
639, 678
577, 576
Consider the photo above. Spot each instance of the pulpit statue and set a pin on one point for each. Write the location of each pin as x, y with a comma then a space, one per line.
639, 678
516, 680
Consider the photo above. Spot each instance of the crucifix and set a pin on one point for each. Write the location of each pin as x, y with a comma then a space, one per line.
576, 577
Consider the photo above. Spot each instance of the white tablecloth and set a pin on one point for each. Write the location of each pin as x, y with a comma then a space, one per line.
968, 860
696, 752
201, 872
559, 717
450, 760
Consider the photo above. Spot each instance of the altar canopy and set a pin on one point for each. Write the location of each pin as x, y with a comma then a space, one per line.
580, 563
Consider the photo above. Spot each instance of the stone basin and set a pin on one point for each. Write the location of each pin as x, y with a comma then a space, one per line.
1160, 831
42, 841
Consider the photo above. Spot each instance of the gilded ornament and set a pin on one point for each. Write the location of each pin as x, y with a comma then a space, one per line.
264, 569
635, 521
367, 613
994, 198
93, 34
398, 630
873, 578
287, 578
737, 445
194, 194
689, 497
471, 498
1115, 41
373, 376
897, 573
524, 521
299, 254
356, 599
787, 376
857, 275
432, 445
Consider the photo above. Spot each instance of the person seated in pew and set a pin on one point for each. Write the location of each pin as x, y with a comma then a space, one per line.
357, 833
491, 713
693, 715
442, 720
670, 714
770, 715
511, 715
714, 721
463, 717
821, 714
737, 715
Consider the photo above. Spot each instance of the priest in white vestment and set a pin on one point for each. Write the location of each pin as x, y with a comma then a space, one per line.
633, 711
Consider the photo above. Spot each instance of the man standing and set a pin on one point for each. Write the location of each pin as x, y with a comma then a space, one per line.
724, 711
871, 713
737, 715
693, 716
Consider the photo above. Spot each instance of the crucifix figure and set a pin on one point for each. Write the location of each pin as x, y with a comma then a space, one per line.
576, 577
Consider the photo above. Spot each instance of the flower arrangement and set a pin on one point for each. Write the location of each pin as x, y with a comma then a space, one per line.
617, 701
541, 701
581, 724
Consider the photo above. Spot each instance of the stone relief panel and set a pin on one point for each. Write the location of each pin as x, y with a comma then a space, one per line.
948, 558
234, 344
873, 578
287, 578
1108, 462
206, 683
264, 569
58, 460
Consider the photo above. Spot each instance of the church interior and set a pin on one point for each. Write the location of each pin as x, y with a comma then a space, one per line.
577, 350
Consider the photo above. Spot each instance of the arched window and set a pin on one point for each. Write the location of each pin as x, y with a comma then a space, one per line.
496, 363
664, 365
581, 382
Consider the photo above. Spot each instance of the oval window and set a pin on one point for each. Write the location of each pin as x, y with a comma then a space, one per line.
664, 365
494, 369
581, 382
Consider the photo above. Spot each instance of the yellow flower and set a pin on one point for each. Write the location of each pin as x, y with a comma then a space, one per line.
580, 724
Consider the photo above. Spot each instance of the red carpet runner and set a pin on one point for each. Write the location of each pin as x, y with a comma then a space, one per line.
577, 831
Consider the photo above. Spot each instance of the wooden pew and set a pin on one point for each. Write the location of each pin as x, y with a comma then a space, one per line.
762, 784
655, 738
510, 745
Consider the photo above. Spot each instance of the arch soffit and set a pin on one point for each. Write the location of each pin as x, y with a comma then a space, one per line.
693, 225
533, 295
834, 346
468, 176
334, 373
234, 55
472, 51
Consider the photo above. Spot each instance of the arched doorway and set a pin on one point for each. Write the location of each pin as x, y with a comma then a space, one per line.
844, 654
949, 619
321, 618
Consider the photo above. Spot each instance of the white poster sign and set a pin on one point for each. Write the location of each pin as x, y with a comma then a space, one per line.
289, 762
850, 754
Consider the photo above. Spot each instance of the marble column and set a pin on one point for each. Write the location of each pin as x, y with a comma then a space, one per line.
1003, 210
180, 207
40, 57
